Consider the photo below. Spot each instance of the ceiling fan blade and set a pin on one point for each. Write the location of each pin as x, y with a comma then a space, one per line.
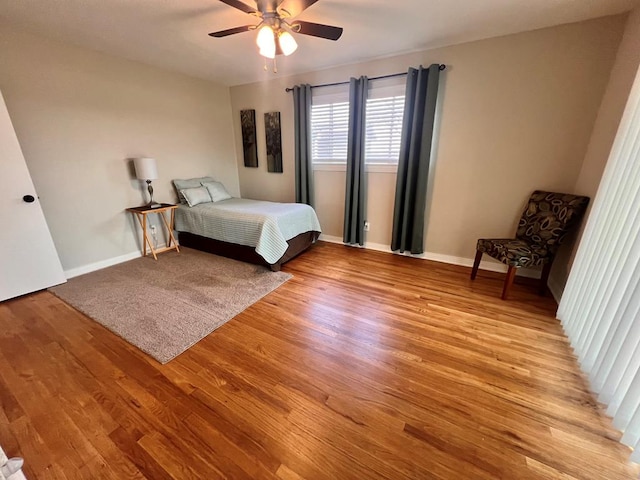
316, 30
231, 31
240, 6
296, 7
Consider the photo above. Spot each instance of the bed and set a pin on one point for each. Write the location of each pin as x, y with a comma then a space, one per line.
260, 232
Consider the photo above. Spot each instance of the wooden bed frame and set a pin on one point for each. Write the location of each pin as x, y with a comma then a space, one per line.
244, 253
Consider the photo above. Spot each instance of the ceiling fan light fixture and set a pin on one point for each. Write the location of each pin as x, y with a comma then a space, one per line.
277, 26
287, 43
268, 53
266, 41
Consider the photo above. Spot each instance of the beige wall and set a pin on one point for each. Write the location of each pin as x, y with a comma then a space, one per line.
614, 100
329, 205
612, 107
517, 114
80, 114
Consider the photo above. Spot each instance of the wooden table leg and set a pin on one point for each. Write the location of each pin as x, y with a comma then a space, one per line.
145, 237
171, 238
173, 225
144, 233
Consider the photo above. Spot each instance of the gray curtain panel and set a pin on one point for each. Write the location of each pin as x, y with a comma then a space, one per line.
415, 156
354, 206
302, 125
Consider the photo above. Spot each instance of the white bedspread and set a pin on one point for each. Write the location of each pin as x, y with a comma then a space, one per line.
264, 225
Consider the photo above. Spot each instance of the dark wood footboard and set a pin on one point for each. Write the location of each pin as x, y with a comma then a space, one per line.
297, 245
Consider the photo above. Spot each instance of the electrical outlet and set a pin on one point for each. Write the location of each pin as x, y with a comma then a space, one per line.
366, 226
154, 235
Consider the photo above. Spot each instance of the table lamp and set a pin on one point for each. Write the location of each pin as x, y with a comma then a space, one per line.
147, 170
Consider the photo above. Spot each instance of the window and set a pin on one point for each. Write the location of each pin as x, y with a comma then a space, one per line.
329, 132
384, 115
383, 130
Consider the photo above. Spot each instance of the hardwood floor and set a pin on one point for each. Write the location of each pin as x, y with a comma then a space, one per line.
363, 366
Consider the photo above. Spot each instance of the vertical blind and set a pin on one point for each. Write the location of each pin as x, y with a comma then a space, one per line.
600, 307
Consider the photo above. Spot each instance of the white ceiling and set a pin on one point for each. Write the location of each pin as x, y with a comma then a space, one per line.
173, 33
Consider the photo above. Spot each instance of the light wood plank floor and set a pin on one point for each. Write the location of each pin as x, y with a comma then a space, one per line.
364, 366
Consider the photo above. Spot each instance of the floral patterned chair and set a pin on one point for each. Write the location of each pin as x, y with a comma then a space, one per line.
544, 224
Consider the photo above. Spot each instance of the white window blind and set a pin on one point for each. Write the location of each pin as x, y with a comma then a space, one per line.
600, 307
383, 129
329, 132
383, 123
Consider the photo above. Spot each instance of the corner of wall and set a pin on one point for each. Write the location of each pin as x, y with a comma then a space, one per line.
603, 134
234, 136
556, 288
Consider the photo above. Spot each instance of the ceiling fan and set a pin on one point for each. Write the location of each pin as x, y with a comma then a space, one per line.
277, 24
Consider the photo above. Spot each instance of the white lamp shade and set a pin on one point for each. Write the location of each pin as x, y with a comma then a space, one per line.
288, 44
268, 53
266, 41
146, 168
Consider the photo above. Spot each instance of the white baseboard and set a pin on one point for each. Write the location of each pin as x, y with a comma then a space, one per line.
436, 257
92, 267
109, 262
439, 257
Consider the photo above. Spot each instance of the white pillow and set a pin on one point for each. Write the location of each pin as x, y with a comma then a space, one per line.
216, 191
189, 183
196, 196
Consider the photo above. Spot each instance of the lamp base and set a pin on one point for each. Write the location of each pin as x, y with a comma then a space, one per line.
151, 203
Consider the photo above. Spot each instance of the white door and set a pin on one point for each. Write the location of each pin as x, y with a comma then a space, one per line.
28, 257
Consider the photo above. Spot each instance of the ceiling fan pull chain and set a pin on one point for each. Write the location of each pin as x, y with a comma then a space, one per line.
265, 63
275, 66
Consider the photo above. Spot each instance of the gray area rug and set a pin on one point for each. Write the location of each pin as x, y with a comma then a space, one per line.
164, 307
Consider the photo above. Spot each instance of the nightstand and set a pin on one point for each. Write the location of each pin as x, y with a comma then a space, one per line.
141, 214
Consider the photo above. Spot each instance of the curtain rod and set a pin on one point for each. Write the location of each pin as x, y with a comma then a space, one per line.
289, 89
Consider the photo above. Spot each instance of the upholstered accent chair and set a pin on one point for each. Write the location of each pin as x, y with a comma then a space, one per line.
544, 225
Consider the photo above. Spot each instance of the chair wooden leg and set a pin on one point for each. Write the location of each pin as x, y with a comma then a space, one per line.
476, 265
544, 279
511, 273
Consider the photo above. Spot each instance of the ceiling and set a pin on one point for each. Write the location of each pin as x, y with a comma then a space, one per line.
172, 34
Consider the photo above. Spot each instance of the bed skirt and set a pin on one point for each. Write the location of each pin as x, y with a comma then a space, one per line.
297, 245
